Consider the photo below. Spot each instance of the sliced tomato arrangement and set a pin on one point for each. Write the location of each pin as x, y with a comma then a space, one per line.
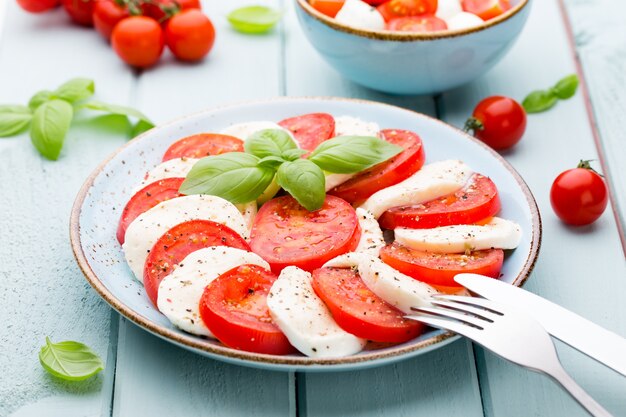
486, 9
234, 308
203, 144
359, 311
400, 8
417, 24
310, 129
285, 233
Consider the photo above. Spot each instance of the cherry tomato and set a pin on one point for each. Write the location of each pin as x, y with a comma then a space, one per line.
400, 8
80, 11
285, 233
328, 7
189, 35
310, 129
107, 14
416, 24
387, 173
38, 6
439, 269
579, 196
359, 311
138, 40
476, 201
234, 308
498, 121
203, 144
161, 10
486, 9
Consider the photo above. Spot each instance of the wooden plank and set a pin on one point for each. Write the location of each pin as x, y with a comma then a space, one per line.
582, 269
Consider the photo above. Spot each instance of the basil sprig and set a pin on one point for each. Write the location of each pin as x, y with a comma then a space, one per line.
71, 361
50, 113
272, 155
542, 100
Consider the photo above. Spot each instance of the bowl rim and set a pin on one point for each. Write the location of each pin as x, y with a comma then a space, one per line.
277, 362
408, 36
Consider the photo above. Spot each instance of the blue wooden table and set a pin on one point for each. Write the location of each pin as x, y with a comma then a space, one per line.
42, 291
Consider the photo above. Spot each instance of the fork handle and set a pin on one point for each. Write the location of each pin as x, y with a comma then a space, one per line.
577, 393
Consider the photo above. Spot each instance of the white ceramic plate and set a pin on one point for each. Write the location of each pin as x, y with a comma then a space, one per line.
99, 204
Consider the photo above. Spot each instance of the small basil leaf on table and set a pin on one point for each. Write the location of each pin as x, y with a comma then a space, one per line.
269, 142
142, 125
50, 124
75, 90
293, 154
305, 181
254, 19
235, 176
350, 154
72, 361
539, 101
14, 119
39, 98
566, 88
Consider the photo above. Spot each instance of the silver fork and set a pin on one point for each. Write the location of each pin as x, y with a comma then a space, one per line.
513, 335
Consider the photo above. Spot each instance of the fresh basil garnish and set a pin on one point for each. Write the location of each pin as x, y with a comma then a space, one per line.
305, 181
74, 90
566, 88
269, 142
14, 119
542, 100
351, 154
71, 361
50, 124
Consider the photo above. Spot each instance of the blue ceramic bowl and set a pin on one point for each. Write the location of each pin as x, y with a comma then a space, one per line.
412, 63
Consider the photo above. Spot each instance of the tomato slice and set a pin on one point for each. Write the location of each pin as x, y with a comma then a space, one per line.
399, 8
234, 308
416, 24
285, 233
310, 129
439, 269
178, 242
328, 7
203, 144
388, 173
486, 9
359, 311
477, 200
146, 198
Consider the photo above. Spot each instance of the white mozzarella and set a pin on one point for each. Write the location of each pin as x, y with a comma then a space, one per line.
399, 290
173, 168
463, 20
148, 227
498, 233
333, 180
305, 320
248, 211
432, 181
360, 15
372, 239
244, 130
352, 126
448, 8
181, 291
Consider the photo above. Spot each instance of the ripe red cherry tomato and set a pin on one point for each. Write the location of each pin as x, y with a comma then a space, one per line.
107, 14
498, 121
579, 196
138, 40
38, 6
328, 7
486, 9
190, 35
399, 8
80, 11
162, 10
416, 24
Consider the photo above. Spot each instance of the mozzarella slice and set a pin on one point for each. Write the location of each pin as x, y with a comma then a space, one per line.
498, 233
248, 211
361, 15
399, 290
372, 239
333, 180
304, 318
148, 227
244, 130
181, 291
173, 168
448, 8
352, 126
432, 181
463, 20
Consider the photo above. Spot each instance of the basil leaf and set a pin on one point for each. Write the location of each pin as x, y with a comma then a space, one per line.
539, 101
140, 127
39, 98
121, 110
50, 124
234, 176
350, 154
293, 154
72, 361
269, 142
254, 19
305, 181
271, 161
75, 90
566, 88
14, 119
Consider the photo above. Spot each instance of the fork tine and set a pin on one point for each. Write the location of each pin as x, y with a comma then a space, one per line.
454, 326
470, 301
481, 313
464, 318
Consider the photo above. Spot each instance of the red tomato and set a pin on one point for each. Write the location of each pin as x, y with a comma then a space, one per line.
498, 121
180, 241
359, 311
107, 14
310, 129
80, 11
161, 10
234, 308
146, 198
190, 35
400, 8
328, 7
387, 173
439, 269
38, 6
486, 9
579, 196
470, 204
203, 144
138, 40
285, 233
416, 24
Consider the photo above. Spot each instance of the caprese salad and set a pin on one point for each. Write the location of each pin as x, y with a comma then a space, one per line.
318, 235
418, 16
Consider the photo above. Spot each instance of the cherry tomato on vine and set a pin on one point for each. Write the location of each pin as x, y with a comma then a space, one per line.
399, 8
162, 10
138, 40
579, 196
38, 6
80, 11
498, 121
107, 14
190, 35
